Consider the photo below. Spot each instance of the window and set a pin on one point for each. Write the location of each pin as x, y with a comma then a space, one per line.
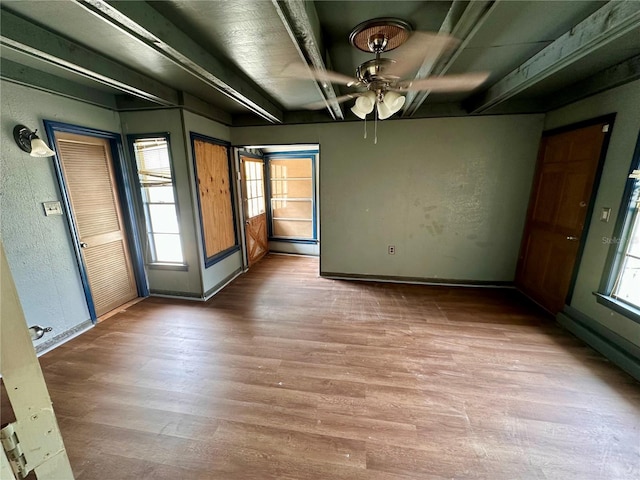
627, 284
292, 202
253, 174
621, 287
214, 184
158, 199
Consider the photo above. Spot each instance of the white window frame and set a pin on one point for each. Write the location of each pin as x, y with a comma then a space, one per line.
626, 234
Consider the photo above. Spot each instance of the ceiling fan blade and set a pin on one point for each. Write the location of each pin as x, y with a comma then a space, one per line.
322, 104
420, 48
302, 71
448, 83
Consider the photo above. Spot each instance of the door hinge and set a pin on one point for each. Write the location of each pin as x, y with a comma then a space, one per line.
11, 445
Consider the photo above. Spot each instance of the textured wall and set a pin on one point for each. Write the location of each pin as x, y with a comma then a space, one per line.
625, 101
450, 193
39, 248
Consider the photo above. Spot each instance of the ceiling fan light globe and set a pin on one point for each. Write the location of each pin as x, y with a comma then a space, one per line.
393, 101
358, 113
366, 102
383, 111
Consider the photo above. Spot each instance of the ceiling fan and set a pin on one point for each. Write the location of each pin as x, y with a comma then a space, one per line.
382, 80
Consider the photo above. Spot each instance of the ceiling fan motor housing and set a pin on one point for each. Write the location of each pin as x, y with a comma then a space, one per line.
375, 71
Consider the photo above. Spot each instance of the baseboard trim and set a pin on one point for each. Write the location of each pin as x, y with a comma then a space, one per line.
619, 350
176, 295
64, 337
223, 283
440, 282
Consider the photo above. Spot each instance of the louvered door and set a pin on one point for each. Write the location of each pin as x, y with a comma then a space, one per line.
88, 173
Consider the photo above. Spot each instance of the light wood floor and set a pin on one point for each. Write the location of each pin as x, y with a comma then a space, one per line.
285, 375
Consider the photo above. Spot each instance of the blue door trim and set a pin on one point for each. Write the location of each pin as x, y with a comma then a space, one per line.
122, 172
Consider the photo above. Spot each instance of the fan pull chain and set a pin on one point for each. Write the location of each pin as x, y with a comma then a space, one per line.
375, 128
365, 126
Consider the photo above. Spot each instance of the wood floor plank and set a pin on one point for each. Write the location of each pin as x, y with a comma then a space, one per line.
287, 375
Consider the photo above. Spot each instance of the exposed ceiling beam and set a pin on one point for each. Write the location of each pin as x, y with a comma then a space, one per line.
623, 72
24, 75
27, 38
142, 22
463, 21
195, 105
296, 17
610, 22
430, 110
186, 102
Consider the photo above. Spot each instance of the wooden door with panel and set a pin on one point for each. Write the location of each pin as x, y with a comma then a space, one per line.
568, 164
253, 199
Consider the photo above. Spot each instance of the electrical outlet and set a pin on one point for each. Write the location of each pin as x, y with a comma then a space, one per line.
392, 249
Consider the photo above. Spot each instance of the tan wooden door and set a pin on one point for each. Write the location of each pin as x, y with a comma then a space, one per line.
567, 167
88, 173
255, 215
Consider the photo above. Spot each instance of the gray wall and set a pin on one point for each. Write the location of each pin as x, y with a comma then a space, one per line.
450, 193
188, 283
220, 272
39, 248
625, 101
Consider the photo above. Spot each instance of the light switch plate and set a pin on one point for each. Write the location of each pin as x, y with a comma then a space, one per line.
52, 208
605, 214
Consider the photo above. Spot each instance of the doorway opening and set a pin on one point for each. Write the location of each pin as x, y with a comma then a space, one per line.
278, 191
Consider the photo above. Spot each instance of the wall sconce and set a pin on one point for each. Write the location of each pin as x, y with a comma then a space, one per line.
30, 142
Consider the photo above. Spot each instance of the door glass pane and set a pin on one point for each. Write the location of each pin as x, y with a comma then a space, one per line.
254, 188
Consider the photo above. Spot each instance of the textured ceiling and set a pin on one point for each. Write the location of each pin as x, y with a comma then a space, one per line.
243, 47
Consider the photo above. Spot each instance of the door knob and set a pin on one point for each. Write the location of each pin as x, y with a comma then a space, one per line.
572, 238
83, 245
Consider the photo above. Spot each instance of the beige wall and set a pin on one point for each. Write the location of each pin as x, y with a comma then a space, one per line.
450, 193
625, 102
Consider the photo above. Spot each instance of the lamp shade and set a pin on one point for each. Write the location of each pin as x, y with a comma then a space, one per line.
364, 105
29, 142
390, 104
40, 149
